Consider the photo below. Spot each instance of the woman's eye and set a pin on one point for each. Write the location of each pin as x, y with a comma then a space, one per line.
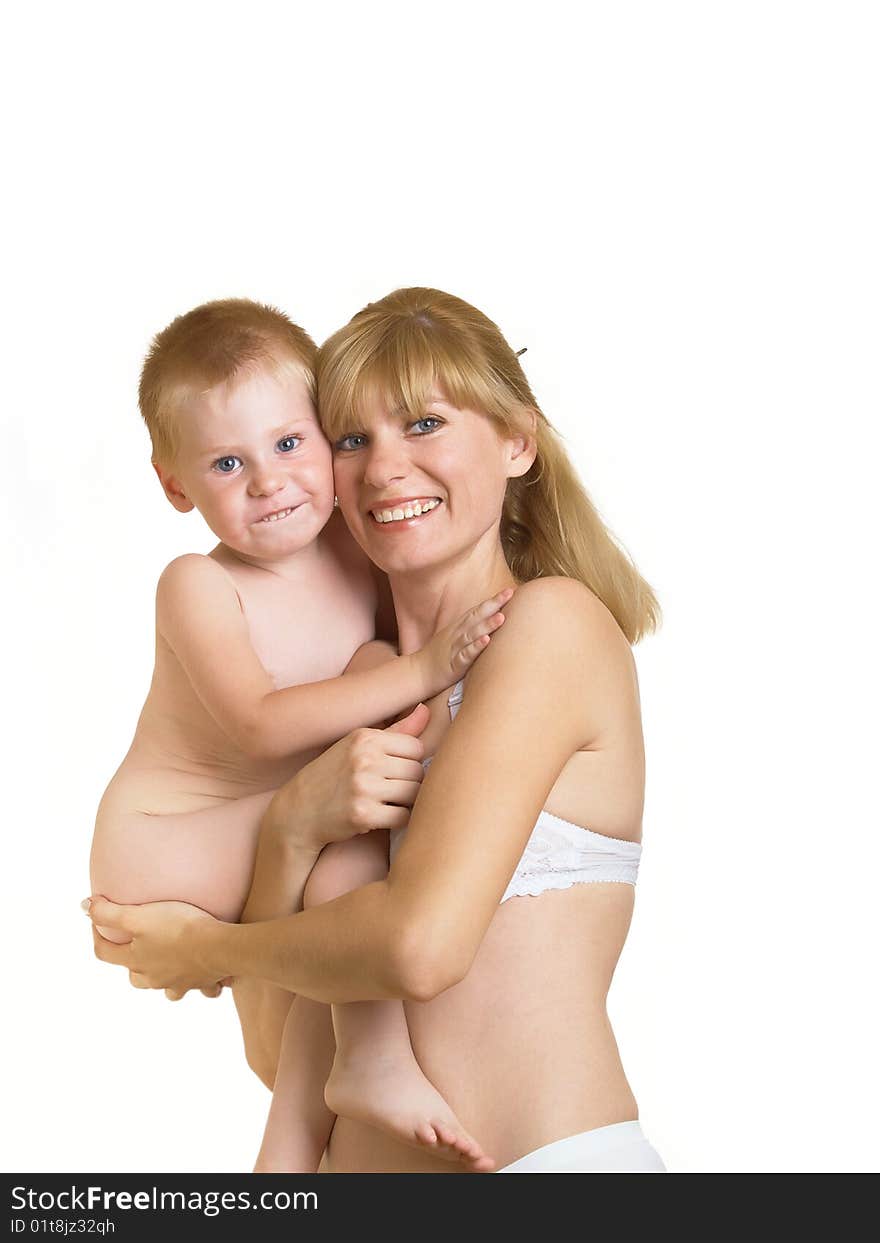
288, 443
420, 425
226, 465
355, 440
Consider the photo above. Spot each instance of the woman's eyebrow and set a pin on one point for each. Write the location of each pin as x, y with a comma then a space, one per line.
431, 400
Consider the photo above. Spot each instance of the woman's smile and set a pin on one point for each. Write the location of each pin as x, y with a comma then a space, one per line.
404, 512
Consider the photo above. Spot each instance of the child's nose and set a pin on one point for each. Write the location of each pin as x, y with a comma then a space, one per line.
265, 481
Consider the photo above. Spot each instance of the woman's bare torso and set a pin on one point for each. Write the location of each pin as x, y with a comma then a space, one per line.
522, 1048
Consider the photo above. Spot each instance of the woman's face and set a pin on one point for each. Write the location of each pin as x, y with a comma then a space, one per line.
417, 494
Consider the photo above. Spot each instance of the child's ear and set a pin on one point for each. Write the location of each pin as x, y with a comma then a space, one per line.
172, 489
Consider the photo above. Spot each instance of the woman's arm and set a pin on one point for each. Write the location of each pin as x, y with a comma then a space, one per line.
533, 700
199, 615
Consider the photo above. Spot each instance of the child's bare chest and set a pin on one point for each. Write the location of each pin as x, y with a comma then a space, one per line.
305, 632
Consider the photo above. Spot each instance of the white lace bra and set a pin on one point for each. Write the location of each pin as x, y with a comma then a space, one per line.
558, 854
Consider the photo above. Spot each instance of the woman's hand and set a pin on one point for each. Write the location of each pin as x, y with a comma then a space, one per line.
368, 780
168, 946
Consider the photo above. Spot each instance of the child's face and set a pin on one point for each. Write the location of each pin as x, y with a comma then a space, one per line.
252, 459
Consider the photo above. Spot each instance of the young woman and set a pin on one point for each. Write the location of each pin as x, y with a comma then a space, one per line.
510, 893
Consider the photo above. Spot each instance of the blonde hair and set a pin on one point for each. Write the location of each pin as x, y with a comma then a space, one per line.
211, 345
412, 339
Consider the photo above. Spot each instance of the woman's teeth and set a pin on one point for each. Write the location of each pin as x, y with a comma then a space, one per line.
412, 510
282, 513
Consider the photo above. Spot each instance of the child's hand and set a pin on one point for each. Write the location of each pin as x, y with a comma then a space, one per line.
454, 649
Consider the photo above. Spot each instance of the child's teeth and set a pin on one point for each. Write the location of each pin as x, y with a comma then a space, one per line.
417, 509
409, 512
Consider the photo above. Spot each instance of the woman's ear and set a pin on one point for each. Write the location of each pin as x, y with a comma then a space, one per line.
523, 447
173, 490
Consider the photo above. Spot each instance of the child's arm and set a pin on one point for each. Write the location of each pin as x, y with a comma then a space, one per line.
199, 615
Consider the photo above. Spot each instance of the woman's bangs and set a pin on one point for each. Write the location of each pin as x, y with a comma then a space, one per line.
414, 365
399, 375
397, 366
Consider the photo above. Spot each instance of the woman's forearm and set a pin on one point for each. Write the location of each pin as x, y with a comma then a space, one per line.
354, 948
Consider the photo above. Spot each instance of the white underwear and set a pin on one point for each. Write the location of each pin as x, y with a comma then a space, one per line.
620, 1148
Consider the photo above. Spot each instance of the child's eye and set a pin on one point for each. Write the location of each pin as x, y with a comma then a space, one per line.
420, 423
354, 440
226, 465
288, 443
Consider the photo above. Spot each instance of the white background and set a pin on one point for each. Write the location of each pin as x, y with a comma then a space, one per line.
674, 207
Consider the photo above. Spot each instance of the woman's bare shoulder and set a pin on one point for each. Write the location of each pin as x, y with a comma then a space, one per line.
561, 652
564, 609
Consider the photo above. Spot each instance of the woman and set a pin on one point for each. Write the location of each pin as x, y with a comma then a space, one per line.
502, 918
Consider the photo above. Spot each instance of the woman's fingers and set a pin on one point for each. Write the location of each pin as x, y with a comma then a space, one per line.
397, 769
400, 793
173, 994
401, 738
110, 951
111, 914
389, 817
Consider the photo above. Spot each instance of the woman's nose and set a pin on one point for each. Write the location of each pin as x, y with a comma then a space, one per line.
386, 462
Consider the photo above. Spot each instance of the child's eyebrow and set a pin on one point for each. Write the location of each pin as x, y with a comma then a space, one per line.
292, 425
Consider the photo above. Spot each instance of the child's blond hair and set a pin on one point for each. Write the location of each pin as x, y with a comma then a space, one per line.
211, 345
413, 338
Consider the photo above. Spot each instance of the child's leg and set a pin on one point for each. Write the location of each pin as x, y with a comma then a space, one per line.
299, 1122
375, 1077
205, 857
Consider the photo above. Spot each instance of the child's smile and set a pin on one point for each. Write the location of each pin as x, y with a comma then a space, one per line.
253, 460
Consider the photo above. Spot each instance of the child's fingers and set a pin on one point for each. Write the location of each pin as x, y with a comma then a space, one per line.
488, 607
472, 636
468, 654
485, 625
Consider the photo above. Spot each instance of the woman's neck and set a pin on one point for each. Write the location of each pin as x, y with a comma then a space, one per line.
427, 601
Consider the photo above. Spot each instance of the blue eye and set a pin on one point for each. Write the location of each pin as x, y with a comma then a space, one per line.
226, 465
288, 443
429, 418
347, 442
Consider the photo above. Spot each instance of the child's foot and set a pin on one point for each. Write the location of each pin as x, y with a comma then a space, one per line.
395, 1096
